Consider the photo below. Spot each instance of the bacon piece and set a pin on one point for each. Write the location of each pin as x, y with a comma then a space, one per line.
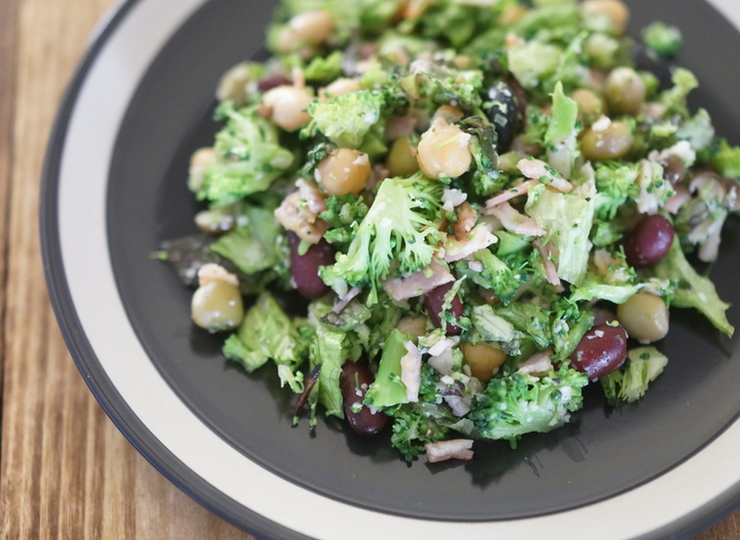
411, 371
452, 449
519, 189
433, 276
537, 169
514, 221
549, 252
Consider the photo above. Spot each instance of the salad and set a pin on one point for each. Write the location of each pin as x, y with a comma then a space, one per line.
443, 219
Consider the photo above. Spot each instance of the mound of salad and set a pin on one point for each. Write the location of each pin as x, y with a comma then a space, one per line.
443, 219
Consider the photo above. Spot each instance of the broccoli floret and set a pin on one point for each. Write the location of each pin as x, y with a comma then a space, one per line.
346, 119
343, 213
401, 228
497, 276
248, 158
664, 38
512, 406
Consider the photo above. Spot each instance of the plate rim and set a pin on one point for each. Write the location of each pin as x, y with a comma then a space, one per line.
109, 397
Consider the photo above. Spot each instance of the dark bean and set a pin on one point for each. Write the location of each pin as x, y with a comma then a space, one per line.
305, 268
273, 80
646, 59
434, 300
674, 169
354, 382
602, 350
649, 241
503, 112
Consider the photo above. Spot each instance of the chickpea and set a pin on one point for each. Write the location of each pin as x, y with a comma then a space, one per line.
199, 161
449, 113
305, 29
613, 142
286, 106
484, 360
217, 306
625, 90
415, 326
339, 87
443, 151
402, 158
644, 316
617, 12
344, 171
590, 104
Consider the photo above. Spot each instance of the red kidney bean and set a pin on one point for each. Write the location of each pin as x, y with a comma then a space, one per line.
601, 350
434, 300
354, 382
268, 82
305, 268
649, 242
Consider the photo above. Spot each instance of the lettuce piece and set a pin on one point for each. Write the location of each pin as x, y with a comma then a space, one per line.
697, 130
568, 218
629, 384
529, 319
564, 117
692, 290
248, 158
255, 244
346, 119
388, 390
727, 160
533, 61
267, 333
493, 328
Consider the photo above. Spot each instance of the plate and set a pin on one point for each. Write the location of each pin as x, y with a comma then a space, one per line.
114, 188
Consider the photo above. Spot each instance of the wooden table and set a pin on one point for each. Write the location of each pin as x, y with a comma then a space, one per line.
66, 472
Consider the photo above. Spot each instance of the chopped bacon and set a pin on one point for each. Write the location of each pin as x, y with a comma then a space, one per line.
466, 219
675, 203
513, 221
537, 169
479, 238
433, 276
411, 371
346, 299
295, 216
548, 253
311, 194
537, 364
519, 189
452, 449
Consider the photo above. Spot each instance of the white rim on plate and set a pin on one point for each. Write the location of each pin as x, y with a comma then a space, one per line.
96, 110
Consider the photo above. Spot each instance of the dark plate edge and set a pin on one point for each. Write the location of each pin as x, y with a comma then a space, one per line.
74, 336
118, 410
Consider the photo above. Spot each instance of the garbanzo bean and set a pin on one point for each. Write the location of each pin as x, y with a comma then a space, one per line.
305, 29
590, 105
612, 142
339, 87
344, 171
645, 317
286, 106
401, 159
443, 151
616, 10
217, 306
415, 326
625, 90
483, 359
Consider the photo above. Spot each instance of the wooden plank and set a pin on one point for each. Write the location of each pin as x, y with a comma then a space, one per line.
65, 470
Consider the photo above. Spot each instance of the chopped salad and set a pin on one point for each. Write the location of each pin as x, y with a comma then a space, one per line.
442, 219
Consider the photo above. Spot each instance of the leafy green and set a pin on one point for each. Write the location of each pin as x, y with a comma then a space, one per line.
388, 390
643, 366
346, 119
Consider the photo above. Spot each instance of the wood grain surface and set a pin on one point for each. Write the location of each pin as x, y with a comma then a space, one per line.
66, 472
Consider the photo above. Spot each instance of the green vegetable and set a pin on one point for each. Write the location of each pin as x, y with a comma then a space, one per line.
643, 366
665, 39
346, 119
512, 406
248, 158
388, 390
399, 227
692, 290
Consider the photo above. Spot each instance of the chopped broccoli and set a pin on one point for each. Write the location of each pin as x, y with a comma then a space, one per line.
388, 390
512, 406
248, 157
401, 228
665, 39
497, 276
346, 119
727, 160
324, 69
